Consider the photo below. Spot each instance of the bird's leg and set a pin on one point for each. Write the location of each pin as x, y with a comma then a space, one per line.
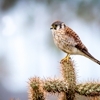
66, 58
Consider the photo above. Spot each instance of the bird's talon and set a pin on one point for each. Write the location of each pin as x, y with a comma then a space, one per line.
66, 58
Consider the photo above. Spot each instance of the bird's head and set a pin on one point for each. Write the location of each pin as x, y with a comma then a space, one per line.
57, 25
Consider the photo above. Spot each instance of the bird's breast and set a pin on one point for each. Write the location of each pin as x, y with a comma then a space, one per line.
60, 42
66, 44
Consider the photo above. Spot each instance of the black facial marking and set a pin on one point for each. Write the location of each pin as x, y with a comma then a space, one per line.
64, 25
60, 25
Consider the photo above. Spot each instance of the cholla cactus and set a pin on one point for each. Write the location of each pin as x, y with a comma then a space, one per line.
54, 86
69, 77
35, 92
88, 89
65, 87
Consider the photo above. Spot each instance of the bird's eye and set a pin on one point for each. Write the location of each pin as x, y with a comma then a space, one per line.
55, 25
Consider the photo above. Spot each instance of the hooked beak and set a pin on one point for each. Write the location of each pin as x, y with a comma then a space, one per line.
51, 28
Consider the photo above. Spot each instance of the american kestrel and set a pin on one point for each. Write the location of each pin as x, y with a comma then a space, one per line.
68, 41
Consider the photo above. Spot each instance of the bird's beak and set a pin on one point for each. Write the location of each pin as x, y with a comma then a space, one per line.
51, 28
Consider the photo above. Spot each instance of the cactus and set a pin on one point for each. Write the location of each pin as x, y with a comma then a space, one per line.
88, 89
66, 87
54, 85
35, 92
69, 77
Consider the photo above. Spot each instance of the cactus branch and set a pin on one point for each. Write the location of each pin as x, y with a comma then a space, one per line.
88, 89
54, 85
35, 92
69, 77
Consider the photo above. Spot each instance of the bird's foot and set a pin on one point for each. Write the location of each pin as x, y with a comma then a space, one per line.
66, 59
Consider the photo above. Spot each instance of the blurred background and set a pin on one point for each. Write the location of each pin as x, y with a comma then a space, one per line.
27, 48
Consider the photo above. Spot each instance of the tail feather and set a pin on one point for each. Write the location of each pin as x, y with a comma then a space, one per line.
90, 56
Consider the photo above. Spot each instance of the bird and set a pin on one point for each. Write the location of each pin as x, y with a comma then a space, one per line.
68, 41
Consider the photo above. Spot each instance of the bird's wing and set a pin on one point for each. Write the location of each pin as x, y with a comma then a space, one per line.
78, 43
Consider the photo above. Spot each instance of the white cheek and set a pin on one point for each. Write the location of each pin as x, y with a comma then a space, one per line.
58, 27
53, 32
63, 26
